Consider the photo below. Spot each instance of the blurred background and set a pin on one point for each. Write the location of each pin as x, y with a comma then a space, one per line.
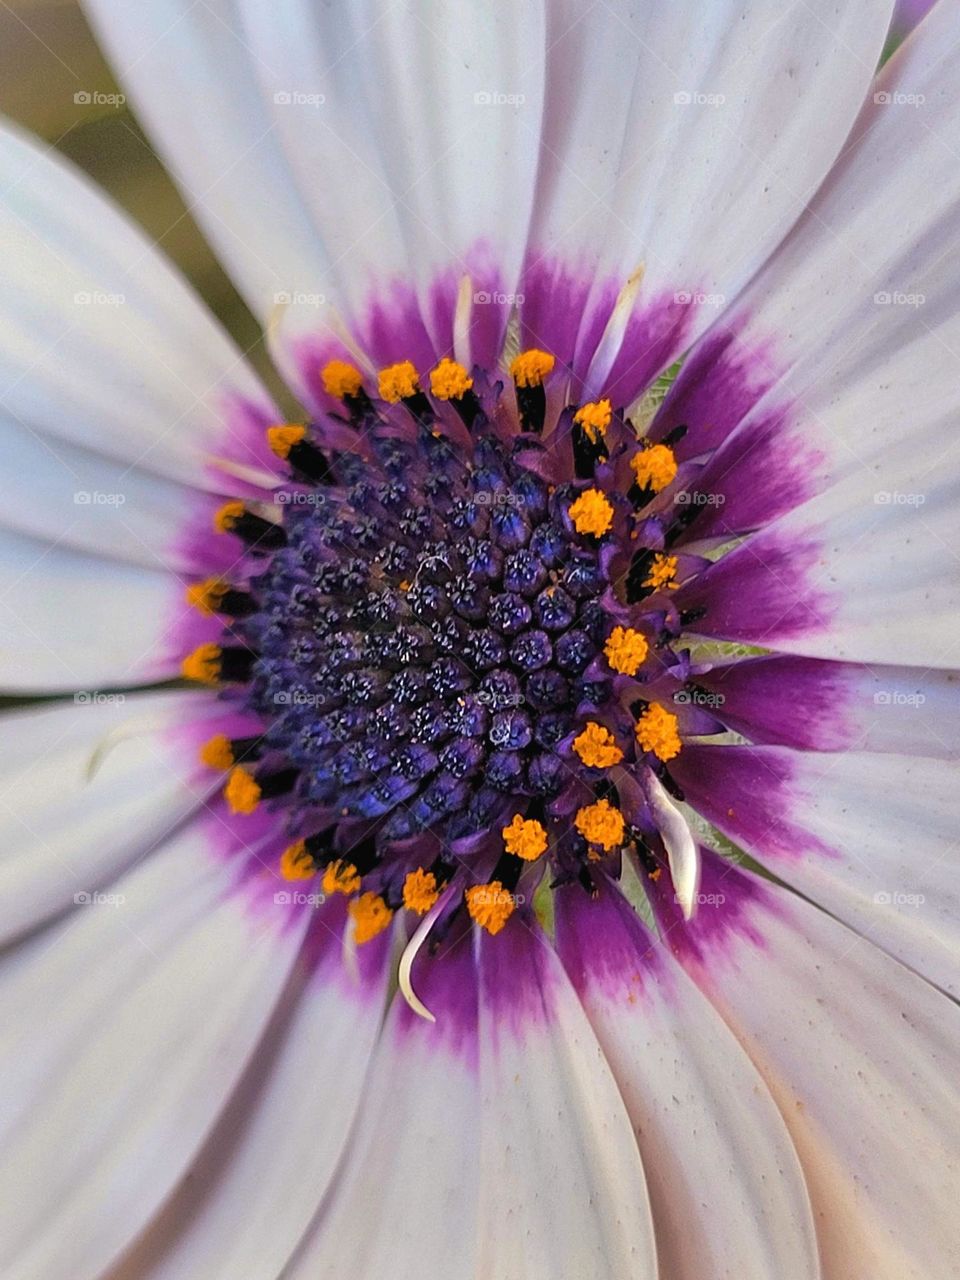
49, 63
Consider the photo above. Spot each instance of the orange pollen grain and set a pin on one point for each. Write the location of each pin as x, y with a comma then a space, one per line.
657, 732
296, 862
282, 439
341, 877
420, 891
203, 664
525, 838
341, 379
241, 793
450, 380
217, 753
592, 513
597, 747
600, 823
625, 650
398, 381
370, 916
490, 905
531, 367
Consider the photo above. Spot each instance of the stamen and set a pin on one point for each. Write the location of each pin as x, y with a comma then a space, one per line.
592, 513
341, 877
683, 854
291, 444
242, 793
594, 418
597, 747
203, 664
420, 891
654, 468
490, 905
370, 916
217, 753
215, 595
625, 650
601, 824
657, 732
450, 380
398, 382
662, 575
529, 371
341, 380
258, 533
296, 862
525, 838
532, 367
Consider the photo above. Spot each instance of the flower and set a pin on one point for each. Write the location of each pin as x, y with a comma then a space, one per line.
422, 931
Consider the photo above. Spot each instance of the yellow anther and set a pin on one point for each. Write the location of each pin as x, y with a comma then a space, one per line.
525, 838
657, 732
597, 747
341, 877
370, 916
341, 379
296, 862
217, 753
206, 596
655, 467
600, 823
203, 664
449, 380
594, 418
625, 650
663, 573
241, 793
490, 905
398, 381
592, 513
531, 367
225, 517
282, 439
420, 891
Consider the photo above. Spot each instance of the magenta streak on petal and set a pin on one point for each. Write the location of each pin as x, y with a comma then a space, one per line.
514, 977
761, 472
728, 906
602, 942
748, 793
797, 702
554, 298
244, 443
656, 333
447, 983
720, 382
761, 592
490, 308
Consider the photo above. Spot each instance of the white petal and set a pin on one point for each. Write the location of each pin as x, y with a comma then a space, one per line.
125, 1108
70, 820
562, 1190
871, 838
404, 1203
683, 853
51, 489
685, 138
101, 343
858, 318
862, 1058
253, 1191
191, 76
69, 621
726, 1187
410, 130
